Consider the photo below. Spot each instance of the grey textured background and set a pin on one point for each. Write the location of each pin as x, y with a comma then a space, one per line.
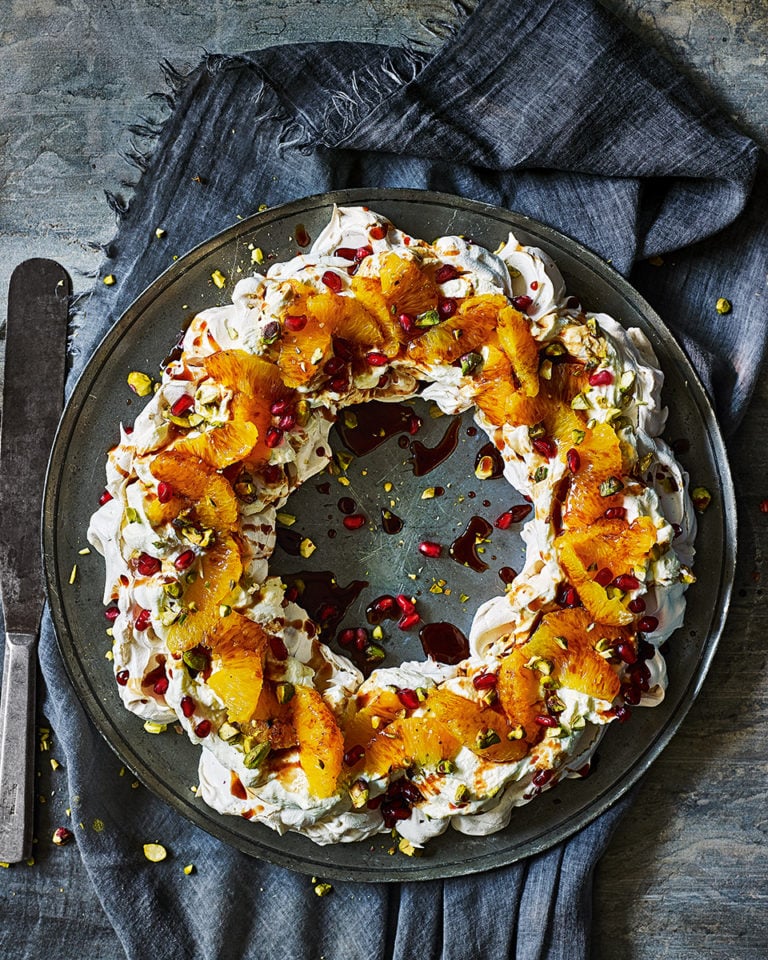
686, 876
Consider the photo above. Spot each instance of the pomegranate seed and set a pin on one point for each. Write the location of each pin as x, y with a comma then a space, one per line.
603, 577
542, 777
105, 498
287, 422
346, 253
184, 560
361, 639
409, 698
203, 729
338, 384
278, 648
430, 549
346, 637
678, 530
573, 460
148, 566
332, 280
534, 284
273, 474
615, 513
164, 492
292, 594
567, 596
376, 359
410, 792
279, 407
484, 681
295, 322
645, 650
446, 307
407, 322
354, 521
362, 252
632, 694
405, 603
544, 721
445, 273
121, 677
187, 706
602, 378
354, 755
343, 348
334, 365
161, 686
415, 424
623, 714
112, 613
627, 652
142, 620
545, 447
763, 507
408, 620
521, 303
378, 232
273, 437
504, 522
392, 811
327, 612
637, 605
641, 676
183, 405
648, 624
625, 582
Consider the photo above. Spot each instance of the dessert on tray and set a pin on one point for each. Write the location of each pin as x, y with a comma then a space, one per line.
291, 732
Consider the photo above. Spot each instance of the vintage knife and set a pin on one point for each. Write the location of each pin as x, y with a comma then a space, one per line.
33, 395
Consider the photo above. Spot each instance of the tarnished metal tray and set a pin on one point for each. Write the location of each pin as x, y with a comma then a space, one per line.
141, 339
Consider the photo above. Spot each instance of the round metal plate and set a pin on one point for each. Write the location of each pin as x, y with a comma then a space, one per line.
141, 339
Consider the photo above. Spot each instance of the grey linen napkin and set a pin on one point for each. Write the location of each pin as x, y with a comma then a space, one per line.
548, 108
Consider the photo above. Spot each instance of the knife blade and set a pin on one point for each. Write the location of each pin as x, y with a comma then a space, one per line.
33, 396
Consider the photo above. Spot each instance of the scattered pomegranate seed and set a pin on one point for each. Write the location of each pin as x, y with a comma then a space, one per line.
544, 721
504, 522
521, 303
187, 706
603, 378
184, 404
273, 473
361, 639
446, 307
408, 620
534, 284
184, 560
409, 698
346, 637
764, 506
105, 498
615, 513
161, 686
332, 280
632, 694
627, 652
62, 836
445, 273
405, 603
567, 596
409, 791
484, 681
637, 605
354, 755
112, 613
203, 728
430, 549
542, 777
327, 612
648, 624
164, 492
287, 422
545, 447
376, 359
147, 565
142, 620
415, 424
603, 577
623, 714
334, 365
295, 322
678, 531
378, 232
278, 648
122, 677
273, 437
338, 384
407, 322
354, 521
362, 252
346, 253
626, 581
279, 407
573, 460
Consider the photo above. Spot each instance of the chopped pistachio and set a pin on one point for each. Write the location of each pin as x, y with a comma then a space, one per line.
228, 732
344, 481
84, 552
580, 402
446, 766
155, 852
428, 319
487, 738
470, 362
462, 793
323, 889
723, 305
406, 847
537, 430
435, 412
140, 383
484, 469
701, 498
152, 726
578, 436
256, 756
132, 515
545, 369
540, 474
284, 692
257, 255
218, 278
516, 733
160, 232
359, 793
109, 280
373, 653
388, 487
377, 633
610, 486
306, 548
73, 575
224, 610
428, 493
189, 869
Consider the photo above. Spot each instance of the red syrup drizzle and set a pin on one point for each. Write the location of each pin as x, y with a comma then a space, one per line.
464, 548
301, 236
444, 642
390, 522
375, 423
427, 458
322, 597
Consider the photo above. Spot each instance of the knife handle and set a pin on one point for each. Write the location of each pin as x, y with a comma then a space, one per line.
17, 730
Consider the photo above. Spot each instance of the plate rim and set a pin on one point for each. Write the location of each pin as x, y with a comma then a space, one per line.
410, 870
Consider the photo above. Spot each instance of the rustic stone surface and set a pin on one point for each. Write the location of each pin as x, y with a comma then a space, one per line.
686, 875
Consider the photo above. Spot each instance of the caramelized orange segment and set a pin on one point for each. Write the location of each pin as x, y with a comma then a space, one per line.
600, 471
383, 707
237, 680
411, 741
517, 342
367, 291
159, 513
520, 694
467, 330
221, 446
345, 317
303, 352
483, 729
406, 287
207, 491
321, 745
564, 638
594, 597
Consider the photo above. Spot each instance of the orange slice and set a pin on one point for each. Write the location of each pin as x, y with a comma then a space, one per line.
475, 724
321, 745
209, 494
517, 342
406, 287
221, 446
412, 741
